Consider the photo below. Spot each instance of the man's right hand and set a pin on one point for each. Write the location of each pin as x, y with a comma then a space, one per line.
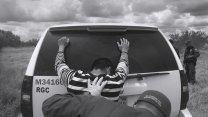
96, 87
62, 43
123, 45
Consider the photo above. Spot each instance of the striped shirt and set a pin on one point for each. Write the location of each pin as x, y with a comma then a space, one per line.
76, 81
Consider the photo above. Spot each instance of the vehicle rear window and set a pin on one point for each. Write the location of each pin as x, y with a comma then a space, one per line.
149, 52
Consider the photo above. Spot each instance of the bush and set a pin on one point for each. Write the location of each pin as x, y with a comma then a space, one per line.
32, 42
8, 39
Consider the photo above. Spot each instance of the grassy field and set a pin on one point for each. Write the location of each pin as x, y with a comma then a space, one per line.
198, 100
13, 62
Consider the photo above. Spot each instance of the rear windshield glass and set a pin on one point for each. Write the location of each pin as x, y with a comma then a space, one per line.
149, 52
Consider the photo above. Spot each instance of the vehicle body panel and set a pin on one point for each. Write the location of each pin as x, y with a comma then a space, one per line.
167, 84
44, 87
184, 113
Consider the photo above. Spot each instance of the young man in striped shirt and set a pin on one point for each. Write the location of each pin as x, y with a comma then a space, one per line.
77, 81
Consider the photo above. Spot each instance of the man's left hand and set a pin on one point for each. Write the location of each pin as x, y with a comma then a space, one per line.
63, 42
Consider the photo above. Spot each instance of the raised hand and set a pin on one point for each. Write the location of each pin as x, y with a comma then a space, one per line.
123, 45
63, 42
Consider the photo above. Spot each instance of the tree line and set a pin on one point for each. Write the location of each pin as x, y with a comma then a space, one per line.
198, 38
8, 39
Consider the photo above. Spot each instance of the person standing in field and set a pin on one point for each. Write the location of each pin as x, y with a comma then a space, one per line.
190, 58
76, 81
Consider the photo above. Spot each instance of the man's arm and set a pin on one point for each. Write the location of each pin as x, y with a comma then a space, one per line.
63, 71
196, 53
123, 65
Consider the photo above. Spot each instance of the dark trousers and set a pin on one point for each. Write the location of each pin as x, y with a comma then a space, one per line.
190, 72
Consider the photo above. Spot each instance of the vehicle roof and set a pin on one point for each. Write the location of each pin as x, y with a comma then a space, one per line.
125, 26
105, 24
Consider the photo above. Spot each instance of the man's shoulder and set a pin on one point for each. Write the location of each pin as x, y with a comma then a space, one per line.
190, 47
80, 73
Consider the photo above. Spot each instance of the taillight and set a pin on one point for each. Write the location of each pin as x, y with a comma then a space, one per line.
26, 97
184, 90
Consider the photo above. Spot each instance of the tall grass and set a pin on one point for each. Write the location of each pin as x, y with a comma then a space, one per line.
13, 63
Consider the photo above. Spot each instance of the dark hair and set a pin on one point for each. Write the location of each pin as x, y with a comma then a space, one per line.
171, 41
102, 63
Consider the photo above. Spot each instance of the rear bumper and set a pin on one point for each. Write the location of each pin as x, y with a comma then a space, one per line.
184, 113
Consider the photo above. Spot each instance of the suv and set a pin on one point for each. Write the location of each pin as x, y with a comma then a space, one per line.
153, 64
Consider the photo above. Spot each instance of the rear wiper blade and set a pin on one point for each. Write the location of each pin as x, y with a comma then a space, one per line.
139, 75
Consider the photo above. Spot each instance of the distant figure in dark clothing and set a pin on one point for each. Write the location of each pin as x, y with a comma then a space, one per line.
190, 58
176, 49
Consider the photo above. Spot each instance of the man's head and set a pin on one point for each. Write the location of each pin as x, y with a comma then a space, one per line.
102, 66
188, 43
171, 41
155, 102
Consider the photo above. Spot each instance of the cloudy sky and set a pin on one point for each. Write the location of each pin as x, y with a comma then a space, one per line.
29, 18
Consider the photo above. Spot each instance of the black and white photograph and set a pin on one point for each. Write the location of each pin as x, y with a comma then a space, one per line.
104, 58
